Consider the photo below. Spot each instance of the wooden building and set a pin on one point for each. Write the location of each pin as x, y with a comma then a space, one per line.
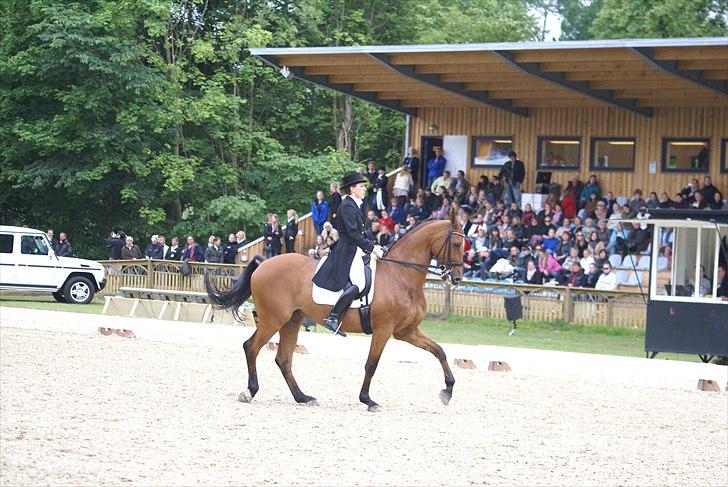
648, 114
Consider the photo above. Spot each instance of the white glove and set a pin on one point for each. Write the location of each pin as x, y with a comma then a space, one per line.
378, 251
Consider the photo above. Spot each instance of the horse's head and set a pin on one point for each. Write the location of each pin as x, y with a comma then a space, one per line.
448, 250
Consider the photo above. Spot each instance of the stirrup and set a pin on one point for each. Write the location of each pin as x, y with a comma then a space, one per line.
329, 324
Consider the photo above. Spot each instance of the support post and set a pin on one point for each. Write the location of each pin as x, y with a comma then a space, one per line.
568, 305
448, 301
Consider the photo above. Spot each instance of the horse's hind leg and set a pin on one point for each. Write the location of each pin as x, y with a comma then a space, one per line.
418, 338
284, 358
251, 347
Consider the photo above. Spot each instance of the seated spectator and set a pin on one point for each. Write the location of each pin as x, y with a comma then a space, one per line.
590, 206
472, 197
652, 202
688, 192
557, 215
398, 232
590, 188
592, 276
510, 240
664, 201
384, 237
635, 242
386, 221
601, 258
576, 277
327, 246
443, 211
568, 204
699, 203
316, 251
547, 264
607, 281
514, 210
445, 181
461, 182
131, 250
551, 241
609, 201
571, 258
64, 249
480, 241
563, 249
575, 186
588, 228
600, 213
535, 233
595, 245
154, 250
483, 184
722, 291
174, 252
580, 242
411, 222
494, 241
680, 202
636, 201
586, 259
192, 251
213, 253
396, 211
518, 230
518, 262
528, 215
469, 263
717, 203
602, 231
476, 225
615, 216
627, 212
708, 190
566, 227
416, 210
329, 231
533, 275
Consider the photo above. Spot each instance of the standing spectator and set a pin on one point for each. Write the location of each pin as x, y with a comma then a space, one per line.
512, 174
319, 211
575, 186
213, 253
333, 205
131, 250
52, 241
64, 248
403, 185
412, 163
162, 241
154, 250
241, 240
435, 167
192, 251
174, 252
291, 231
591, 187
379, 190
114, 244
274, 233
229, 250
371, 175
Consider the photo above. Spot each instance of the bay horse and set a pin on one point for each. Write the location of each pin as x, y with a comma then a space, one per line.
281, 288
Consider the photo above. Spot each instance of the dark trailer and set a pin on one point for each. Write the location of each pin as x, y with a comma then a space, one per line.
686, 312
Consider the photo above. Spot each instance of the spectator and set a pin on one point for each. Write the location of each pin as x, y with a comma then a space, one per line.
384, 238
551, 241
590, 206
396, 211
316, 252
563, 249
291, 231
636, 201
698, 202
512, 174
460, 182
379, 190
213, 253
528, 214
371, 175
571, 258
327, 245
161, 239
131, 250
717, 202
722, 291
600, 212
680, 202
412, 163
595, 244
575, 186
568, 204
435, 167
576, 277
664, 202
242, 241
174, 252
586, 259
386, 221
273, 234
333, 204
52, 241
403, 185
547, 265
591, 188
609, 201
64, 248
469, 263
688, 192
580, 242
635, 242
330, 231
480, 241
607, 280
114, 244
192, 251
708, 190
592, 276
533, 275
229, 250
154, 250
319, 212
652, 202
601, 258
443, 211
446, 181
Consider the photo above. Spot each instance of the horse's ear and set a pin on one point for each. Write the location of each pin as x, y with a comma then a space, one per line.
453, 216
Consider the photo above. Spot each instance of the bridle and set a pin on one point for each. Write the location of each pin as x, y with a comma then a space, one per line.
442, 270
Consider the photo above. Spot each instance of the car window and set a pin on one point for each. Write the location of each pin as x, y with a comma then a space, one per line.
6, 244
34, 245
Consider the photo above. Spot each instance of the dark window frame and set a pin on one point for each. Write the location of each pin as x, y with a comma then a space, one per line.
550, 138
473, 146
666, 141
12, 242
724, 155
595, 168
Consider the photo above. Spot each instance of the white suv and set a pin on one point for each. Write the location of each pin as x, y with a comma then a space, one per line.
27, 263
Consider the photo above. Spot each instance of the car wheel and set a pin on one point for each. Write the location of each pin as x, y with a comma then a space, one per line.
58, 296
78, 290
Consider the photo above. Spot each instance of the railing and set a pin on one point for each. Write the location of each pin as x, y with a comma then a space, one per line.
474, 299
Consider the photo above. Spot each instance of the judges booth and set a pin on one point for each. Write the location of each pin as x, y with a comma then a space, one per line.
685, 313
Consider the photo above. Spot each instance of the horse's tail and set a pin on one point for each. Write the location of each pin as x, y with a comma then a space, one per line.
240, 291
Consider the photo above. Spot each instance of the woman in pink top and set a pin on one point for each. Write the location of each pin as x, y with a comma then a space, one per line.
547, 265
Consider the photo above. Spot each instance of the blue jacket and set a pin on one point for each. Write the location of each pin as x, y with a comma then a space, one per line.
436, 167
320, 212
397, 214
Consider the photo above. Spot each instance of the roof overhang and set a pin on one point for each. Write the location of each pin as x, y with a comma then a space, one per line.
638, 75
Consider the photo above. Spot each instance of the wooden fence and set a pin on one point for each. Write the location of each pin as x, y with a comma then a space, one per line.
473, 299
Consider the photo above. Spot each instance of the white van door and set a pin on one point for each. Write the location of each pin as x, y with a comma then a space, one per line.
37, 267
8, 273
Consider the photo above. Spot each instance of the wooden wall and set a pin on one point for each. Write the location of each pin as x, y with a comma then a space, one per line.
586, 122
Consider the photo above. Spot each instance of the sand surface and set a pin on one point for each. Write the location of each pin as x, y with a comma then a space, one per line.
87, 409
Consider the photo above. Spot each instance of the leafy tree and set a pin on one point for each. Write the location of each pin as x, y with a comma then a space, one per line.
578, 17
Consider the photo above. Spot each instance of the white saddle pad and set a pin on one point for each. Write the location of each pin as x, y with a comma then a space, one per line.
356, 276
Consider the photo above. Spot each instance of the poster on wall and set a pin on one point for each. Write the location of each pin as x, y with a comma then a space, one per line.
491, 151
456, 152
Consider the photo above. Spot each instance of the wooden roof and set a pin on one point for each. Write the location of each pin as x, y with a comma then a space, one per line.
637, 75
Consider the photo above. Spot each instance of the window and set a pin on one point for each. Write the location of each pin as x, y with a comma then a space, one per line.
558, 153
685, 155
612, 154
6, 244
491, 151
724, 155
35, 245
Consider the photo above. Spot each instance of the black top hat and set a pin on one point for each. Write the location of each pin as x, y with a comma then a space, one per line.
351, 179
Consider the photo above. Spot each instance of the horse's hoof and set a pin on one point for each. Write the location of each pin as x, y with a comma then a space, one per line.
245, 397
374, 408
445, 397
311, 402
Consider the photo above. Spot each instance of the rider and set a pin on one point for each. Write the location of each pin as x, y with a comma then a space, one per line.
334, 272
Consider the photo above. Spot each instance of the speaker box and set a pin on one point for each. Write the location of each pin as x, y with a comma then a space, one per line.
514, 309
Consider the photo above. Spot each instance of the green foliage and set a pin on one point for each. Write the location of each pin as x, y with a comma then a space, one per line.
578, 17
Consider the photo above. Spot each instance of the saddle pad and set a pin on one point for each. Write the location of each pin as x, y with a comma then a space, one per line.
356, 276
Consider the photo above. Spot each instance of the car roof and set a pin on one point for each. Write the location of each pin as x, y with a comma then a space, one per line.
11, 229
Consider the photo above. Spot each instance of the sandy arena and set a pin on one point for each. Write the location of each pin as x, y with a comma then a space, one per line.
80, 408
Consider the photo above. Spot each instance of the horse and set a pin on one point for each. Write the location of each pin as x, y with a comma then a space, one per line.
282, 290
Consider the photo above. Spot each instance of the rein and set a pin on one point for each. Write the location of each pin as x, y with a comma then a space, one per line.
441, 270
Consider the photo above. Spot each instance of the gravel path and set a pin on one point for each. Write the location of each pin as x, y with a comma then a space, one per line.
89, 410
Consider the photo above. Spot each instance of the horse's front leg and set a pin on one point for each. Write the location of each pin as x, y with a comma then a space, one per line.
379, 340
418, 338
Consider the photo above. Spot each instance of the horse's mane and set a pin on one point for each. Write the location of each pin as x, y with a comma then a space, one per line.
417, 226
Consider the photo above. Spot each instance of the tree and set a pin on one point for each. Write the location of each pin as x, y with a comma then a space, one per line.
578, 17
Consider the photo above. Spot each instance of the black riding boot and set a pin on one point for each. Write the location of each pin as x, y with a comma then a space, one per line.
333, 321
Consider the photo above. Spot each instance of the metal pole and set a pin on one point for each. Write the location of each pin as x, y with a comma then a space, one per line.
408, 122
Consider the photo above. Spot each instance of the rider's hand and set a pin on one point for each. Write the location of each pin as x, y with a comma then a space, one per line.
378, 251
